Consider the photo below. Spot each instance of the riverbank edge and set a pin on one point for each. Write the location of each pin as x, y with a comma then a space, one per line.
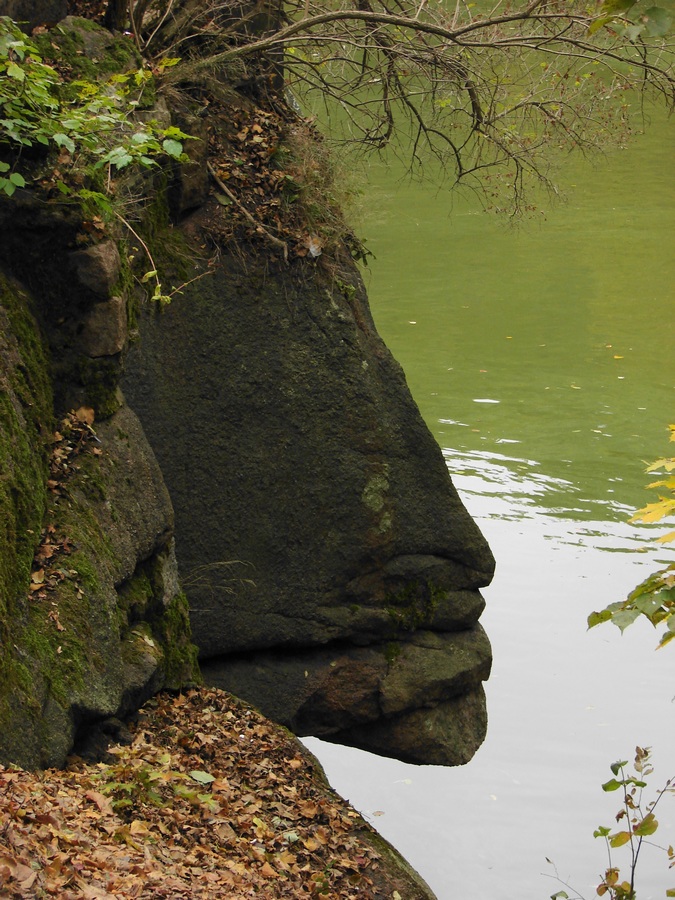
201, 795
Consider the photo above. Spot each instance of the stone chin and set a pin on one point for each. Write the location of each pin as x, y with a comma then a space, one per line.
418, 698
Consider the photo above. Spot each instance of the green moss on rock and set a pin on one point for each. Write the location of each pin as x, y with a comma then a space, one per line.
25, 427
90, 51
413, 607
99, 379
142, 598
172, 629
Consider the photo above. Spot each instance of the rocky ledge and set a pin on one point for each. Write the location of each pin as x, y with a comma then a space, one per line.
205, 800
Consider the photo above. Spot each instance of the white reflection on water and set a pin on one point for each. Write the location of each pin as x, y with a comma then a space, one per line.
564, 703
517, 490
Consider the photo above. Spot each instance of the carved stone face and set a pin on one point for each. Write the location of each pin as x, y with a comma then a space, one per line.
317, 529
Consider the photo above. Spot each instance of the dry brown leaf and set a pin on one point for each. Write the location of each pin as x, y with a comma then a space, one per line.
85, 414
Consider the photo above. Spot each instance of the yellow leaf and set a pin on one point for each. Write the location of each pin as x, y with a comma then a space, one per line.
663, 482
619, 839
308, 809
611, 876
654, 512
667, 464
666, 538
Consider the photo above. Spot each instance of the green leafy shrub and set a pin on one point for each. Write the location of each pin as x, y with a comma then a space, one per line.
636, 824
93, 123
654, 598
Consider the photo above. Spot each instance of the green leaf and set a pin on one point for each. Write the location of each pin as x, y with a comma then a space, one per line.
670, 892
659, 21
616, 6
17, 179
16, 72
599, 23
63, 140
202, 777
601, 831
141, 137
619, 839
560, 894
4, 167
648, 604
666, 639
617, 766
172, 148
632, 32
640, 784
597, 618
119, 158
612, 785
173, 132
624, 618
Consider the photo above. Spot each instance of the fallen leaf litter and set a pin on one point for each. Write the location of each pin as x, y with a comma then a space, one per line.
210, 800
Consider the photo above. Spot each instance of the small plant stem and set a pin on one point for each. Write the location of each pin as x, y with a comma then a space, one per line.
182, 286
275, 241
160, 23
134, 27
633, 852
637, 852
145, 247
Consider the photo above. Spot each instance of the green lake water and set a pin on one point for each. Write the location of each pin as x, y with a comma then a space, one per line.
552, 344
543, 360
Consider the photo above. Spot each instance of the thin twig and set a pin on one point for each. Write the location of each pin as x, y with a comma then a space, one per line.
258, 226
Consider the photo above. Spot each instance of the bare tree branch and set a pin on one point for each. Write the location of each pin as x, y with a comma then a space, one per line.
499, 91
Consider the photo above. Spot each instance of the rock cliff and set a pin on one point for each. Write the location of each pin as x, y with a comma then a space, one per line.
331, 570
92, 615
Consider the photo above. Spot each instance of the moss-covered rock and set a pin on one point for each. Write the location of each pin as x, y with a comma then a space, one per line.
25, 423
91, 52
92, 617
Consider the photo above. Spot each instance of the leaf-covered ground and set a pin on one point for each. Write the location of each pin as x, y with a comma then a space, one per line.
209, 800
